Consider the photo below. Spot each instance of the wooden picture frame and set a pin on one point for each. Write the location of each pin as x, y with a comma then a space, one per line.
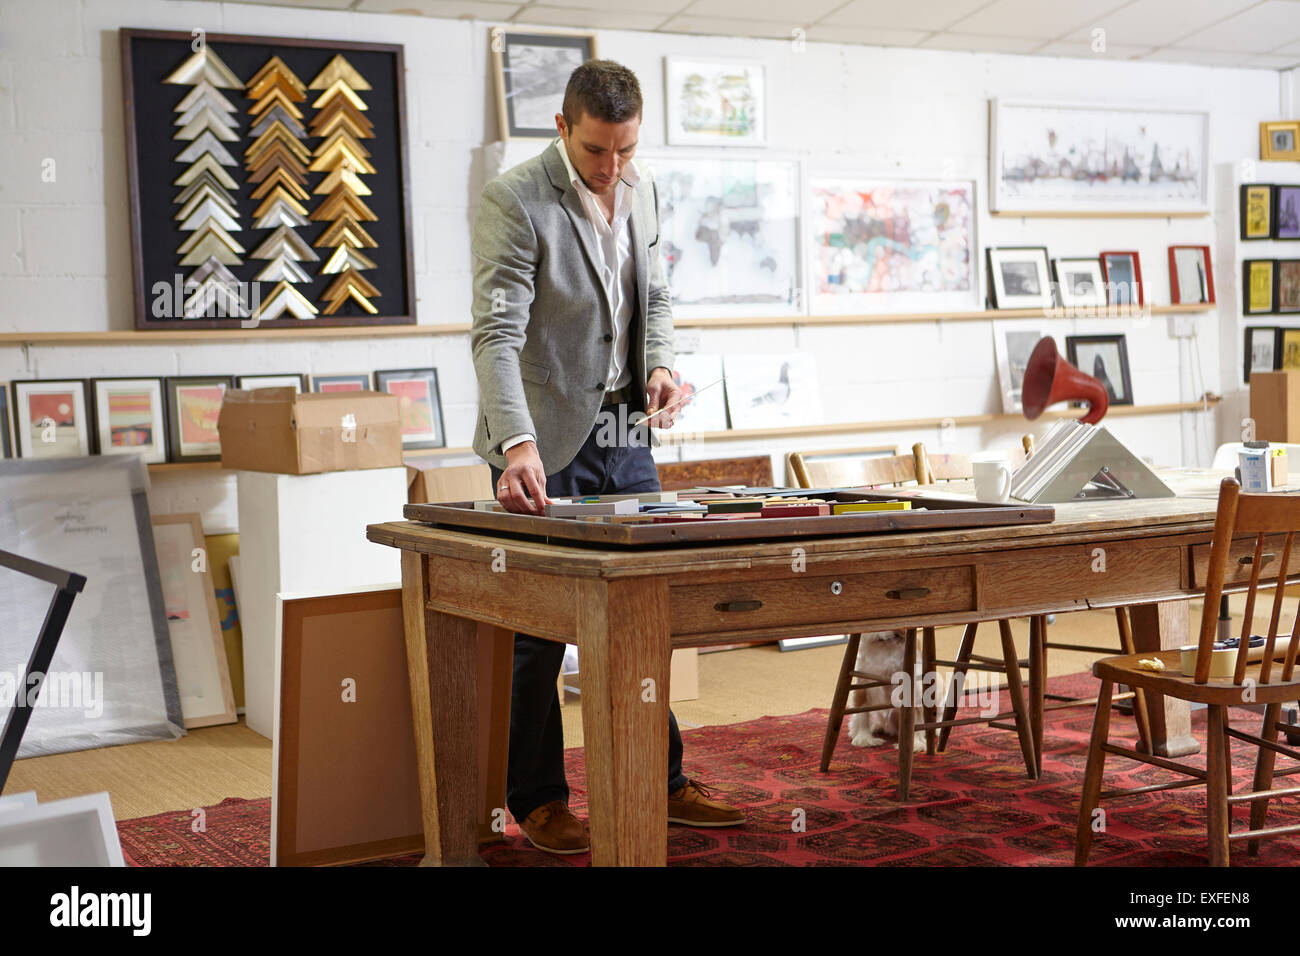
534, 60
61, 404
295, 380
1286, 211
1288, 350
1107, 355
1286, 286
130, 417
420, 405
1183, 282
193, 407
1256, 211
1026, 286
1123, 274
1073, 293
1279, 140
340, 382
242, 164
1257, 293
1260, 349
718, 85
193, 622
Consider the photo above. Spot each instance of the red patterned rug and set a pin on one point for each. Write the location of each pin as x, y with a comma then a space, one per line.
972, 806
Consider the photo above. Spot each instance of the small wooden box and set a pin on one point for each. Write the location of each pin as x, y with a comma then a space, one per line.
1275, 405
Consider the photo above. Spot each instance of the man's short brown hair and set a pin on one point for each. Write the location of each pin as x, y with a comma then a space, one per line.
604, 90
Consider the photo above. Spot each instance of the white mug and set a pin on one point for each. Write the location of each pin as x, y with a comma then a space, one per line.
992, 481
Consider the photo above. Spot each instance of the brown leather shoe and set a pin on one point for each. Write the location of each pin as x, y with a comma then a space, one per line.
691, 805
552, 828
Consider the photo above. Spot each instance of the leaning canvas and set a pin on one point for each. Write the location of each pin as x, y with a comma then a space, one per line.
112, 680
772, 391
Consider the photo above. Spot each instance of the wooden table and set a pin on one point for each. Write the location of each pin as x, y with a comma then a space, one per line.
464, 594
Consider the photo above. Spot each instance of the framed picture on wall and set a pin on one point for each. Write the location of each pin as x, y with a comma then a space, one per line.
532, 71
419, 404
1105, 358
1079, 283
1257, 286
1286, 208
1288, 349
1068, 158
1018, 277
1286, 286
51, 419
1123, 274
1191, 276
715, 102
293, 380
130, 418
341, 382
193, 406
267, 181
1256, 211
6, 443
1279, 141
1261, 349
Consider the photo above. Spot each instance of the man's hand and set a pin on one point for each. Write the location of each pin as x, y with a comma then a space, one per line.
661, 390
522, 486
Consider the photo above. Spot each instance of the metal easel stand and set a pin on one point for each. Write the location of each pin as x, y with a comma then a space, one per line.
1099, 467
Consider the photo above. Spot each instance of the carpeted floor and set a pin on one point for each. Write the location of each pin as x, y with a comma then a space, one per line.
973, 806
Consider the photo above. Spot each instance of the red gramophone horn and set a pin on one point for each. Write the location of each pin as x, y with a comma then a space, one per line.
1050, 379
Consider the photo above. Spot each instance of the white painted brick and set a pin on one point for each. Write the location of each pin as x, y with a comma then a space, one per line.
52, 305
77, 168
7, 118
447, 237
448, 108
40, 29
71, 102
12, 260
64, 241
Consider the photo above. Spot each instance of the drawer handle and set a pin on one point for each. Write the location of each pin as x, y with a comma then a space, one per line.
738, 605
907, 594
1250, 559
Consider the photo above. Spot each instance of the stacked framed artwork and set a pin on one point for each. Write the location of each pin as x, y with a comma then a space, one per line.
268, 181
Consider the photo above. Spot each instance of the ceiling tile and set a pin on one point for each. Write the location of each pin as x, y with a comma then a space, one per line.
1171, 54
1286, 49
1272, 61
721, 26
579, 18
1031, 18
794, 12
448, 9
867, 35
1159, 22
318, 4
662, 7
981, 44
1251, 31
929, 16
1085, 50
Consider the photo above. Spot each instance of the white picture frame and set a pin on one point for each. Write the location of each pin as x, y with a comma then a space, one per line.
772, 390
139, 414
1079, 283
715, 101
70, 396
293, 380
79, 831
1018, 277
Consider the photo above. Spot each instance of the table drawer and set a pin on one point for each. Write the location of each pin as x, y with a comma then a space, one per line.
803, 599
1238, 572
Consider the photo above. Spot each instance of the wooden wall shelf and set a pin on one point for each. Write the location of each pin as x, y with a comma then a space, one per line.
171, 336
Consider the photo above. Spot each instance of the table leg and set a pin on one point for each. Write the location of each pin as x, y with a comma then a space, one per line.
442, 661
1162, 627
496, 655
623, 642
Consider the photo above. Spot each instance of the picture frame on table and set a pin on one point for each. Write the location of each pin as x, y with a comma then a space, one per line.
1191, 275
1256, 200
1286, 212
1257, 286
531, 71
295, 380
1286, 286
193, 405
715, 102
130, 417
1279, 140
1019, 277
420, 405
1261, 349
1288, 349
52, 418
1105, 358
1123, 274
341, 382
1079, 283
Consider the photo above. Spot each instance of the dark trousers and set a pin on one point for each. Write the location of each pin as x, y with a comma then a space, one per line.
535, 766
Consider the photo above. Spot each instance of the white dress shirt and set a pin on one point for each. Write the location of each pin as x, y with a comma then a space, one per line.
617, 267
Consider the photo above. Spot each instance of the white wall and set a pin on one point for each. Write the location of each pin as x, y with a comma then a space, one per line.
64, 246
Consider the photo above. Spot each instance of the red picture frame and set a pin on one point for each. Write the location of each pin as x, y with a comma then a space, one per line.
1135, 277
1175, 294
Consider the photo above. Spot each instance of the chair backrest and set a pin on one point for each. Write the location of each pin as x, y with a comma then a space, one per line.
830, 471
1264, 516
715, 472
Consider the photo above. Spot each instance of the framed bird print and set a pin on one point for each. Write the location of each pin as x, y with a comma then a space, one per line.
193, 407
129, 417
267, 179
419, 405
1105, 358
51, 419
770, 391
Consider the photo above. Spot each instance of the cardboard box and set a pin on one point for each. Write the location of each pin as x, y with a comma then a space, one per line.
279, 430
1275, 405
448, 483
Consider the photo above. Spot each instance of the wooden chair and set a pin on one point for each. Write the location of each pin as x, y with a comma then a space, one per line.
1260, 680
828, 470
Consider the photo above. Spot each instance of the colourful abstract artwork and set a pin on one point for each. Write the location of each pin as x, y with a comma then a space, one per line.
130, 418
198, 407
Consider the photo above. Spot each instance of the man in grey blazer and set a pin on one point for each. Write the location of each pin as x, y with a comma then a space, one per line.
573, 345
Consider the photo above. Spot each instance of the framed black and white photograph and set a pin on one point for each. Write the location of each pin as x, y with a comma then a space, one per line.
130, 417
52, 419
1261, 349
341, 382
1191, 275
532, 70
294, 380
1018, 277
1079, 284
193, 407
420, 406
1105, 358
1013, 343
1123, 274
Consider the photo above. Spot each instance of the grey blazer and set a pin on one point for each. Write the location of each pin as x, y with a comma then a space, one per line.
542, 331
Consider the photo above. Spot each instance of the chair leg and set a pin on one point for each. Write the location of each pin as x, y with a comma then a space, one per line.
958, 678
1139, 695
929, 680
839, 701
907, 717
1264, 764
1091, 795
1037, 683
1216, 768
1012, 661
